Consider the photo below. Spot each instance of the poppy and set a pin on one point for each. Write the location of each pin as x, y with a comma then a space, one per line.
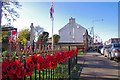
58, 57
63, 58
28, 72
53, 65
34, 59
6, 67
13, 68
29, 66
40, 61
52, 62
20, 73
45, 64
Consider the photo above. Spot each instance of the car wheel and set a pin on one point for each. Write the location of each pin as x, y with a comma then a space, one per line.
99, 51
109, 56
102, 53
105, 55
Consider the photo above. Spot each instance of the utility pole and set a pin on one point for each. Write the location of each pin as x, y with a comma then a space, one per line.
93, 23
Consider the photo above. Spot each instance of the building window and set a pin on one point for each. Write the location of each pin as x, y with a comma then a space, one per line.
70, 33
78, 27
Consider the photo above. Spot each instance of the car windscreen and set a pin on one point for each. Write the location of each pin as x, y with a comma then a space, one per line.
100, 47
117, 45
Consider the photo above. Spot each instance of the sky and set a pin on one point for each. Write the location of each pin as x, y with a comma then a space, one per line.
83, 12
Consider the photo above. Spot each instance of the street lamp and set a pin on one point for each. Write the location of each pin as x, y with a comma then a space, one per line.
92, 28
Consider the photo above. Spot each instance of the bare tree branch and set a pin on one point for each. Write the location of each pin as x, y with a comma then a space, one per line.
9, 12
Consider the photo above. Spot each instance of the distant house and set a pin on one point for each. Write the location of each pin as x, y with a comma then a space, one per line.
112, 40
73, 33
10, 30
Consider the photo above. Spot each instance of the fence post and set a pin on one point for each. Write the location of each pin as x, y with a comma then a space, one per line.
69, 63
24, 66
30, 77
35, 74
76, 58
46, 73
43, 74
51, 74
39, 75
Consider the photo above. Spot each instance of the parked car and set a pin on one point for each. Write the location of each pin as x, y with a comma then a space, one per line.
103, 49
99, 49
107, 50
115, 51
112, 51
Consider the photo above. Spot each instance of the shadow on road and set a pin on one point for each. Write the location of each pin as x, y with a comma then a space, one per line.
98, 78
95, 62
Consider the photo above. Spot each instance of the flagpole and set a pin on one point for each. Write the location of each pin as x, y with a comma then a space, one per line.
52, 32
52, 20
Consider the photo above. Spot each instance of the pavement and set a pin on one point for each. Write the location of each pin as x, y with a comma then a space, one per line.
94, 66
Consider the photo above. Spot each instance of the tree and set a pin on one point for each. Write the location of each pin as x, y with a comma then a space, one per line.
4, 35
38, 31
0, 11
43, 37
8, 11
24, 36
56, 38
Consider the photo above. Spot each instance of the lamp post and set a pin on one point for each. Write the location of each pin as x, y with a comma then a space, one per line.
92, 28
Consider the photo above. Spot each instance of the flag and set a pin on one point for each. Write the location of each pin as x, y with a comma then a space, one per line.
51, 11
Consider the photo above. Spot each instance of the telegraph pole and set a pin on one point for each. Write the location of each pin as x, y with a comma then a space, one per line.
93, 23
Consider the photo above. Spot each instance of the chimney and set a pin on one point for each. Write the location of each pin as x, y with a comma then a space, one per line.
72, 20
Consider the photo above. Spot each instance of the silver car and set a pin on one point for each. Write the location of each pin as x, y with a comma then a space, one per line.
106, 50
102, 50
112, 51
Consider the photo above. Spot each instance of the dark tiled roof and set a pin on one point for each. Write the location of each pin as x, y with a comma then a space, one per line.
8, 28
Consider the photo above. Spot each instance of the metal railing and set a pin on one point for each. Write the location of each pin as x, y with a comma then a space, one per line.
63, 69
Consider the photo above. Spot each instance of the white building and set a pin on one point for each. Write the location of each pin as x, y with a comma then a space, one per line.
73, 33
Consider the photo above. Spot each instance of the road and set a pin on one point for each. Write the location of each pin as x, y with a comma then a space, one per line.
97, 67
